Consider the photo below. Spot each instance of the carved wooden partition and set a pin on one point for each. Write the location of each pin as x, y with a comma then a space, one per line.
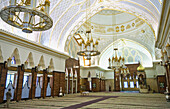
95, 84
130, 78
42, 84
102, 86
161, 79
73, 64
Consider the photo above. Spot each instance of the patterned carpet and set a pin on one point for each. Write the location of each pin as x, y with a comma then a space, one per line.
100, 100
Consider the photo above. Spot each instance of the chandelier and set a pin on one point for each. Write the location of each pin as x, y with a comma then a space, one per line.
118, 63
26, 15
88, 48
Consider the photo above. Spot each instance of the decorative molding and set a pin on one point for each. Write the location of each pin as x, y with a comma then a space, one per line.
9, 37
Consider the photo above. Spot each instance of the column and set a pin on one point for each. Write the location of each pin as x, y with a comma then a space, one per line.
3, 75
33, 83
44, 89
76, 85
18, 90
62, 81
56, 80
116, 80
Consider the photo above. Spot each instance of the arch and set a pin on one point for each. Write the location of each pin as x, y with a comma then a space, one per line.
51, 64
30, 60
41, 62
141, 51
97, 9
16, 56
1, 57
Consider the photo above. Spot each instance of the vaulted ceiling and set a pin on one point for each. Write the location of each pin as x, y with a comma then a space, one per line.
69, 15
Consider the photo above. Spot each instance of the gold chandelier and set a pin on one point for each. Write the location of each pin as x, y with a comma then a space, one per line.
118, 63
89, 48
26, 15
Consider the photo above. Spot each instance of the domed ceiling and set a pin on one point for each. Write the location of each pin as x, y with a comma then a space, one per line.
110, 26
69, 15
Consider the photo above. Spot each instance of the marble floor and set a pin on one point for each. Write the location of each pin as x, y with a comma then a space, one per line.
100, 100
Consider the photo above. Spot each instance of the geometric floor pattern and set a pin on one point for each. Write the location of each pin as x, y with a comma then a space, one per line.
100, 100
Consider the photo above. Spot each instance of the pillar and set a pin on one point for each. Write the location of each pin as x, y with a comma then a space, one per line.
18, 90
33, 83
44, 88
3, 76
116, 80
55, 86
62, 81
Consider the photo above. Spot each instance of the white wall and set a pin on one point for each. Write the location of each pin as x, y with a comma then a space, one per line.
8, 43
93, 70
109, 75
154, 71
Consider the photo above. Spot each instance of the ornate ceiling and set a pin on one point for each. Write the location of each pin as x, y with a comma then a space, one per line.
110, 26
69, 15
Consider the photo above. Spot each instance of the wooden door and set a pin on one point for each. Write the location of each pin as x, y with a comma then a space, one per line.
117, 82
161, 83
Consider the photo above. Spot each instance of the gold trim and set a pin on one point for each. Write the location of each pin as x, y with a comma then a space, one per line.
159, 29
61, 18
125, 40
143, 8
153, 6
115, 24
165, 25
57, 23
110, 14
117, 10
71, 20
64, 28
160, 2
71, 6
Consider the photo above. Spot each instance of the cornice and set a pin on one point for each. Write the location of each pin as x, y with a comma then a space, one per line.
12, 38
164, 27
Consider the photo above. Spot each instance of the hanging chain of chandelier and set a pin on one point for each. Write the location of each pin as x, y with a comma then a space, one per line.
27, 15
88, 48
118, 63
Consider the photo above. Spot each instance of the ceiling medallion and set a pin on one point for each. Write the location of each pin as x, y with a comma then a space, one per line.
26, 15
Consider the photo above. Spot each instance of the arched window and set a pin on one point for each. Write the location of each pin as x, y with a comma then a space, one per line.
10, 78
13, 60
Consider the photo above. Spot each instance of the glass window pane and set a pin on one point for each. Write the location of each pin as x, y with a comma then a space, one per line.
12, 78
130, 77
131, 84
125, 84
25, 79
137, 85
7, 80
